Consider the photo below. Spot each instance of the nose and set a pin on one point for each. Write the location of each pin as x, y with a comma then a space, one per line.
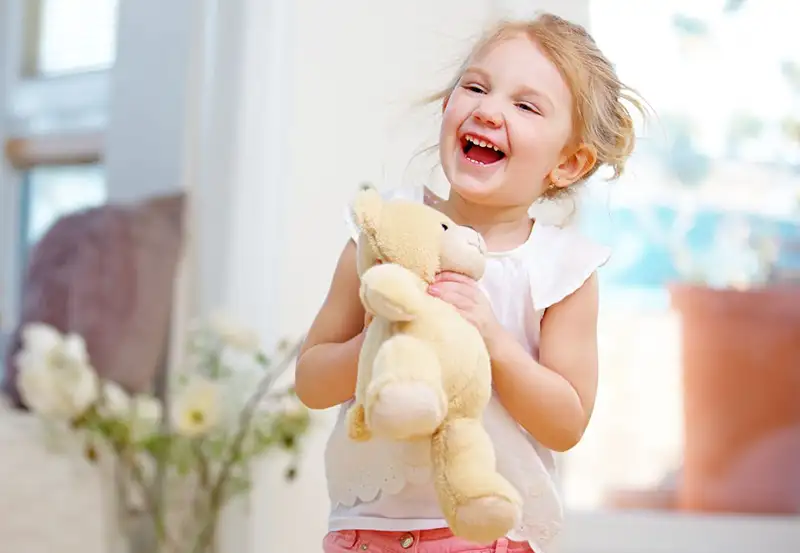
489, 113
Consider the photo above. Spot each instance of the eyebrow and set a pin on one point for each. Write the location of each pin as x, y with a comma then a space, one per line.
528, 91
525, 90
478, 70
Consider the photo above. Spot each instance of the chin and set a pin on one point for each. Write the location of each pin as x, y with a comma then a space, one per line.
476, 188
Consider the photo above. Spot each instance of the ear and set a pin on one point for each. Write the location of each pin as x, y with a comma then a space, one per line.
366, 209
574, 166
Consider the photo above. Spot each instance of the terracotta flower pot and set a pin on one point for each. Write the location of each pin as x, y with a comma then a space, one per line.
741, 369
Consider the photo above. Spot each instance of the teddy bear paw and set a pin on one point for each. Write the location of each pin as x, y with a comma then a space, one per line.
403, 410
486, 519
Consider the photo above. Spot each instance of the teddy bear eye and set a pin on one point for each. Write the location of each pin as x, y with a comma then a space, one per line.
444, 226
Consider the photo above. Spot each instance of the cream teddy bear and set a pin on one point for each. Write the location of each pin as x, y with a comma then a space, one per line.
424, 371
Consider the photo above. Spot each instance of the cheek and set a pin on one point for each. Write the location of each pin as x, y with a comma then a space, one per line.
538, 146
452, 119
450, 123
457, 111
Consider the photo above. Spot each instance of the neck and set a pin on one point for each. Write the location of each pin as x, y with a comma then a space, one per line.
502, 227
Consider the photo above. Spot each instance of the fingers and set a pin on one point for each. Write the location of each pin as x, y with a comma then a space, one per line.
456, 294
449, 276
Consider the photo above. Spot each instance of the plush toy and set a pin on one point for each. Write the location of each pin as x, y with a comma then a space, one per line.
424, 370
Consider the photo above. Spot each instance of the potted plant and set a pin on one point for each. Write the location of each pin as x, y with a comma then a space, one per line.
171, 468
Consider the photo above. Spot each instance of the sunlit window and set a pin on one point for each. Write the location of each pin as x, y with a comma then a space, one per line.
699, 401
66, 36
52, 192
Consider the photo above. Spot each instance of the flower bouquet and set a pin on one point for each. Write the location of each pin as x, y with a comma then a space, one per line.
175, 462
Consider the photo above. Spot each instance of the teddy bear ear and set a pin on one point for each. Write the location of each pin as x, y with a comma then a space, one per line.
367, 208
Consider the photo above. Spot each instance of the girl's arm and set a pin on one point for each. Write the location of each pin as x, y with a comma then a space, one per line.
327, 366
554, 398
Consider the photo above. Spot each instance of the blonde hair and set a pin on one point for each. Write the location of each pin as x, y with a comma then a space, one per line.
601, 120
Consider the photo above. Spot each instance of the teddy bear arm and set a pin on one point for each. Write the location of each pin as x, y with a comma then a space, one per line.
377, 333
392, 292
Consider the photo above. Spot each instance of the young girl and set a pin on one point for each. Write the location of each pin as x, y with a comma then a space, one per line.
535, 110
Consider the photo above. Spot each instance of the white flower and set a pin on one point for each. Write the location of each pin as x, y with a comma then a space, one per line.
116, 402
232, 334
44, 341
40, 337
197, 408
146, 416
55, 378
239, 362
142, 413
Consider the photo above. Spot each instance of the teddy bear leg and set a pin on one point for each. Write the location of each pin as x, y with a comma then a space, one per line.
405, 398
478, 503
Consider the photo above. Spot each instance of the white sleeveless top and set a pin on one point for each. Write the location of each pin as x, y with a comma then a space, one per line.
385, 485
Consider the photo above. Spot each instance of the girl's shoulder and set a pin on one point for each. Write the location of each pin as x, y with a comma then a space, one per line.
558, 260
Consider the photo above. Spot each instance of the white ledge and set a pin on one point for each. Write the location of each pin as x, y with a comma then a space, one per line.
662, 532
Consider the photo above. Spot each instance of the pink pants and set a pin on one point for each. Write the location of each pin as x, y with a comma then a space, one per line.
420, 541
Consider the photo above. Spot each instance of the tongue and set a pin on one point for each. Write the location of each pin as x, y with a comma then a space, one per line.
484, 155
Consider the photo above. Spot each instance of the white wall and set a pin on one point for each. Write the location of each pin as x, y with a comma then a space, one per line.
354, 116
9, 195
153, 97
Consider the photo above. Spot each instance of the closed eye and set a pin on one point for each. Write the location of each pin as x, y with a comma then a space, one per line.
524, 106
476, 88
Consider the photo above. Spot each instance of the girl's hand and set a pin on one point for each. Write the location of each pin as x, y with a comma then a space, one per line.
464, 294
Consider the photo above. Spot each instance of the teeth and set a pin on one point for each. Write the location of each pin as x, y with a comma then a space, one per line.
482, 143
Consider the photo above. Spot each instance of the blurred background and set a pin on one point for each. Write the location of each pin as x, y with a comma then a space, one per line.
221, 140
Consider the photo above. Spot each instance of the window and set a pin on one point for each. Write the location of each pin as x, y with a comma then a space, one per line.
55, 64
65, 37
699, 402
49, 193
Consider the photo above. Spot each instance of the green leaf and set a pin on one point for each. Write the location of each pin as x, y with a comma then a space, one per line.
237, 484
158, 446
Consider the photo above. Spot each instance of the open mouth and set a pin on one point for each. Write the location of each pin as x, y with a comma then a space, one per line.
479, 151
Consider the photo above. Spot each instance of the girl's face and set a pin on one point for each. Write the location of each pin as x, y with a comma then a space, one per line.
506, 125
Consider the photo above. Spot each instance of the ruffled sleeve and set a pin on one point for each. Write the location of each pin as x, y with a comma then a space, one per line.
350, 223
559, 260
